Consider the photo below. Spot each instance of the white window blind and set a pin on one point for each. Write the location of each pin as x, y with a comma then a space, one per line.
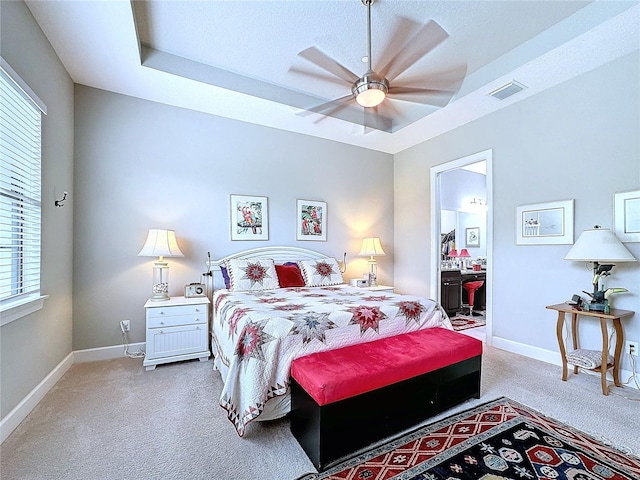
20, 189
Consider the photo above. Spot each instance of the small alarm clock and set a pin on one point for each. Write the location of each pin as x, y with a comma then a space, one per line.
195, 290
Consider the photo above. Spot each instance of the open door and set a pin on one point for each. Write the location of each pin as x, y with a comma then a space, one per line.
439, 200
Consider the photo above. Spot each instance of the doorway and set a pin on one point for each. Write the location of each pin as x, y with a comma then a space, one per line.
439, 174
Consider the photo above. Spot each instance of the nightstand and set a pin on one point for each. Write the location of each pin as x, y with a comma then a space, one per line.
177, 329
380, 288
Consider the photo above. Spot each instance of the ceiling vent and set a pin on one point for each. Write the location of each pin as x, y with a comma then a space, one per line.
507, 90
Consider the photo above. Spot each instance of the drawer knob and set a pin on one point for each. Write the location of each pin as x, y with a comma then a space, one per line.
161, 323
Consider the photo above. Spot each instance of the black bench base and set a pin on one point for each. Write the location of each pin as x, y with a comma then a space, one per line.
331, 432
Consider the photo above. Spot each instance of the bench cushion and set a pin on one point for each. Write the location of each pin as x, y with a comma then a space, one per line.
334, 375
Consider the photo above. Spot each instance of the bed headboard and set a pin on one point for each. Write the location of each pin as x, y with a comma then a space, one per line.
279, 254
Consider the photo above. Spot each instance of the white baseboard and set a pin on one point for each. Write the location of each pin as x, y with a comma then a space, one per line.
105, 353
547, 356
11, 421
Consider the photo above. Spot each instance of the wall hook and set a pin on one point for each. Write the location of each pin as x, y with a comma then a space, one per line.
59, 203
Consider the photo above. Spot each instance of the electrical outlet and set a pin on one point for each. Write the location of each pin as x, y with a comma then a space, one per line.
632, 348
125, 325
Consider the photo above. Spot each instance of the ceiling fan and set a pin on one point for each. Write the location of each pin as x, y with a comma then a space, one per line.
375, 90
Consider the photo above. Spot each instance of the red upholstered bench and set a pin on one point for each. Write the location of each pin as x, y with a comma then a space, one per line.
344, 400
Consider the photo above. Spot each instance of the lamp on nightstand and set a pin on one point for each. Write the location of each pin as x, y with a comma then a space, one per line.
160, 243
371, 247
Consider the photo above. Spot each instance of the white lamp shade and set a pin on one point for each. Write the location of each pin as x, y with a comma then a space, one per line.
371, 247
161, 243
599, 245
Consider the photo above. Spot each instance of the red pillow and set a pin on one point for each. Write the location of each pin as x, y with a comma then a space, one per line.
289, 276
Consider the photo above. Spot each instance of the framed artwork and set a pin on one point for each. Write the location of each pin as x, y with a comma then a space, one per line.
626, 215
472, 237
249, 218
311, 220
545, 223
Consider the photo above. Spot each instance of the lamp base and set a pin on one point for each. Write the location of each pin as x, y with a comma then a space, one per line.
597, 307
160, 297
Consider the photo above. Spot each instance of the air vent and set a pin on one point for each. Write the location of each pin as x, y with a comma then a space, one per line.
507, 90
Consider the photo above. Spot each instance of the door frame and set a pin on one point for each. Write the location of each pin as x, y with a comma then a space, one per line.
436, 171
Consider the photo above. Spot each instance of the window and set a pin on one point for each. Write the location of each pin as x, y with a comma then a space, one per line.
20, 207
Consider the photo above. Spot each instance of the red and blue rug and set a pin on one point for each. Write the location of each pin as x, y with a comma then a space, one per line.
498, 440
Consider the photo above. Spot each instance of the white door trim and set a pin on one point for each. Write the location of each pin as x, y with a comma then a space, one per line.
486, 155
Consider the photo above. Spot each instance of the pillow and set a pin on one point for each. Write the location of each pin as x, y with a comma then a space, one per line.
289, 275
254, 274
225, 276
318, 273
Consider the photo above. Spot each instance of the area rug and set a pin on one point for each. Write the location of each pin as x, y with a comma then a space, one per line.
462, 322
501, 439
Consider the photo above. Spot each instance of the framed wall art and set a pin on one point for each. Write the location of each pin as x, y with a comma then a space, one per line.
626, 215
311, 220
472, 237
249, 218
545, 223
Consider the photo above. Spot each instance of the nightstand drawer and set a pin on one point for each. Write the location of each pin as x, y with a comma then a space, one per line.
173, 341
177, 310
175, 320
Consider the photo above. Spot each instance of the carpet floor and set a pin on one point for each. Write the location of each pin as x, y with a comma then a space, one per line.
501, 439
114, 420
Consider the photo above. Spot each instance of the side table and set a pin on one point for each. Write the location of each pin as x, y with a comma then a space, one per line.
614, 316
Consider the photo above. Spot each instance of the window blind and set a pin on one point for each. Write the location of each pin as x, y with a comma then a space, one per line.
20, 191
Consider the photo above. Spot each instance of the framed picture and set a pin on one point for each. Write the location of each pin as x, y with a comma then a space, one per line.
311, 220
472, 237
626, 215
249, 218
545, 223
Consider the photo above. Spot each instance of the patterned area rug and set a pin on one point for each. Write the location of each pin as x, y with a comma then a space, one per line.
498, 440
462, 322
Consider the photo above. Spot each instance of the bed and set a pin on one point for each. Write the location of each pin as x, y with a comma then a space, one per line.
272, 305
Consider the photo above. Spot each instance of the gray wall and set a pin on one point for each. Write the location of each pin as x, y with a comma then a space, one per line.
578, 140
140, 165
31, 347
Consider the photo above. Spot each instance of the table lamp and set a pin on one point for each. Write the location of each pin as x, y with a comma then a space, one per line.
371, 247
464, 254
600, 246
160, 243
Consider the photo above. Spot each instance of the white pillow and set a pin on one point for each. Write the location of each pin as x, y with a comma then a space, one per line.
318, 273
249, 275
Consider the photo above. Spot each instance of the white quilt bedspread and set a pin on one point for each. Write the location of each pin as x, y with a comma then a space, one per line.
257, 335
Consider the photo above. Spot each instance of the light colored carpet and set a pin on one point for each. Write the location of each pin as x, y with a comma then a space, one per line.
114, 420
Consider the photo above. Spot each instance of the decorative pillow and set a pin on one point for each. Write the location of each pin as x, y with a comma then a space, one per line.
318, 273
225, 276
255, 274
289, 275
586, 358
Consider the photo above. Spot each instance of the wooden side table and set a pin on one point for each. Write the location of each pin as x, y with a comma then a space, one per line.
614, 315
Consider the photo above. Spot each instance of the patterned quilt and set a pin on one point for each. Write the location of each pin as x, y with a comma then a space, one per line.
257, 334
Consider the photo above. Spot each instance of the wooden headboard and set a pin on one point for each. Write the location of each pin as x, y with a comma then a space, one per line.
279, 254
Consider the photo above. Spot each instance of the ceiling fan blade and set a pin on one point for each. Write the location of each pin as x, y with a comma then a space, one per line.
400, 36
426, 39
315, 56
328, 108
318, 76
426, 96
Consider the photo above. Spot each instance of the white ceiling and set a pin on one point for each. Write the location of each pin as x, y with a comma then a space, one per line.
185, 52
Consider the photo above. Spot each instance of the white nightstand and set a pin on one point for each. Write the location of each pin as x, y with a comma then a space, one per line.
380, 288
177, 329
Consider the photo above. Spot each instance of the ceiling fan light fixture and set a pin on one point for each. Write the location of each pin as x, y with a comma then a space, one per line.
370, 90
